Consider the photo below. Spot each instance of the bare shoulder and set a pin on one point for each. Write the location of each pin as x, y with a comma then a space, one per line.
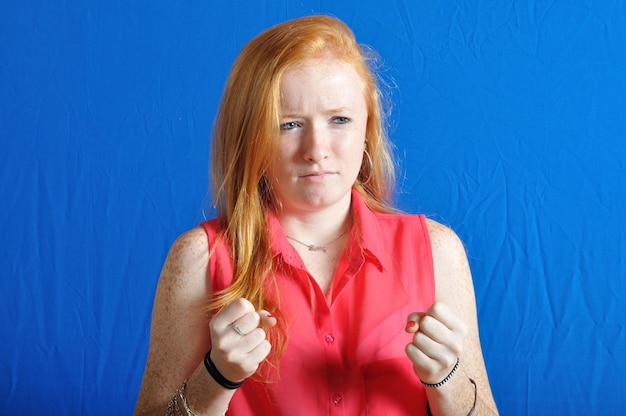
452, 273
446, 244
184, 287
184, 284
188, 255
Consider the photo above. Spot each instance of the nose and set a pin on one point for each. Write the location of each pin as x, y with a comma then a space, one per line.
315, 144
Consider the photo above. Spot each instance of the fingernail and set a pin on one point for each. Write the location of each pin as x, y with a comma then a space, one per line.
410, 324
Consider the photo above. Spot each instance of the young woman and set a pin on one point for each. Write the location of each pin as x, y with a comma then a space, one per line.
309, 294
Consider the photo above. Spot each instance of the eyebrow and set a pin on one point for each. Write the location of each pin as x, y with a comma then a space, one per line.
337, 110
329, 111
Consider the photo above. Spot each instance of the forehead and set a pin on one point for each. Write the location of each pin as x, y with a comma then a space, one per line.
324, 79
323, 67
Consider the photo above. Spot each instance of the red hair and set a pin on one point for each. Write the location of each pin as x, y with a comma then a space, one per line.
245, 144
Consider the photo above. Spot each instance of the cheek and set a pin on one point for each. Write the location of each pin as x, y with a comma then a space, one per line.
352, 151
279, 170
286, 151
358, 161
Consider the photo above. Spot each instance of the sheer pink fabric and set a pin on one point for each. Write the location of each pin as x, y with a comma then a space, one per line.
346, 357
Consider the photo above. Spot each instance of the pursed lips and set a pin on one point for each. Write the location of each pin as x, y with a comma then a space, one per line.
317, 174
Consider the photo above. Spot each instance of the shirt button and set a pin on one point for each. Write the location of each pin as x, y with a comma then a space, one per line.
337, 399
329, 339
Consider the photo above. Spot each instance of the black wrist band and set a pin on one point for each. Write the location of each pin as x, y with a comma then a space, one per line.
445, 380
217, 376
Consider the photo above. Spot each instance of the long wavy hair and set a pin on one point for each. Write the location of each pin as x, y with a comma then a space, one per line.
245, 140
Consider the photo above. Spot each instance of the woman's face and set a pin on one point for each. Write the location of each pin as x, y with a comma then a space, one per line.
323, 117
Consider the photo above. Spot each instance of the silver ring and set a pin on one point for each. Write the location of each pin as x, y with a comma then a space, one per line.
237, 329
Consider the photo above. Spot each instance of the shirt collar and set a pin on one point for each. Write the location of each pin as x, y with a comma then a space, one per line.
370, 231
366, 224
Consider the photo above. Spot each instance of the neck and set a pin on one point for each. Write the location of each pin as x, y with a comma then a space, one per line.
316, 228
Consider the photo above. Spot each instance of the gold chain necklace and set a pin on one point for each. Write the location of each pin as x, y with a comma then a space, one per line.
313, 247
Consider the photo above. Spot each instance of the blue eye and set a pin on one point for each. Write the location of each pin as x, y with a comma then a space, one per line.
341, 120
289, 125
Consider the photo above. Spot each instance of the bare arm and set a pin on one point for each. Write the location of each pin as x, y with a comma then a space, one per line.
449, 329
179, 335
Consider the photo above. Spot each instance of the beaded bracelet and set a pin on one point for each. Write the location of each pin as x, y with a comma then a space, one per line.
173, 409
183, 398
445, 380
217, 376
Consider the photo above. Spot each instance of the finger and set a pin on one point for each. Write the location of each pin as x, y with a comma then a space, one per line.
251, 340
428, 369
253, 359
231, 312
239, 357
251, 320
436, 330
442, 312
261, 351
234, 365
417, 356
413, 320
423, 364
428, 346
267, 320
246, 323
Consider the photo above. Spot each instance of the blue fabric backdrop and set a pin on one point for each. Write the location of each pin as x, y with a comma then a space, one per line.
509, 126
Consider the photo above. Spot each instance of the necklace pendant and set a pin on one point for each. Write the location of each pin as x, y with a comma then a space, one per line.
313, 247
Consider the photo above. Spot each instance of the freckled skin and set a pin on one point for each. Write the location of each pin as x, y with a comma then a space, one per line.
181, 334
323, 118
322, 130
440, 335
